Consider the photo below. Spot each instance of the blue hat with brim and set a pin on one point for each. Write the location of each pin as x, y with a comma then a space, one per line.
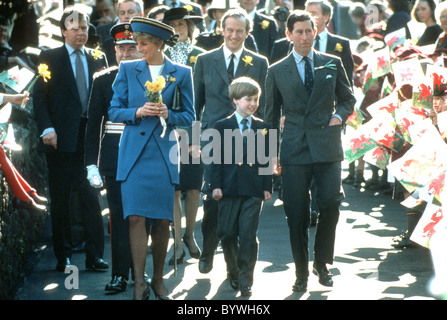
152, 27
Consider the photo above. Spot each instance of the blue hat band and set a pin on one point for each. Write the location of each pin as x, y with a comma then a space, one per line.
151, 29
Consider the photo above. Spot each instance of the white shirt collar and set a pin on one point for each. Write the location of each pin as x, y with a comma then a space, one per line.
323, 35
71, 49
227, 52
299, 57
239, 119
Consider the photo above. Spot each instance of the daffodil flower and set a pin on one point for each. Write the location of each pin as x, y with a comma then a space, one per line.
43, 71
265, 24
247, 60
338, 47
97, 54
153, 94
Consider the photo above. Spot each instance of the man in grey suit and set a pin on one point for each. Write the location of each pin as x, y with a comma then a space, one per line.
311, 89
213, 74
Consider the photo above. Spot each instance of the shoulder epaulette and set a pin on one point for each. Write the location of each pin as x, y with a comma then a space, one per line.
104, 71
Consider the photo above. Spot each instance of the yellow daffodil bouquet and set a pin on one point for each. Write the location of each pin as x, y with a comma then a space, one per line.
153, 94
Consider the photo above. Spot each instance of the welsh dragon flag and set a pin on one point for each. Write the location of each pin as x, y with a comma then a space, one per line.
421, 164
358, 142
432, 220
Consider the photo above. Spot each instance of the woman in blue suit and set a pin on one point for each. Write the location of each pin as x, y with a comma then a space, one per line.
147, 161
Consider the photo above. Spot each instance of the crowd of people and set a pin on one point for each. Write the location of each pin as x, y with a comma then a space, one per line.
127, 76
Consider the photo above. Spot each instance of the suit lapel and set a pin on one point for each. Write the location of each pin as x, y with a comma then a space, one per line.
293, 77
220, 65
168, 72
242, 67
143, 73
319, 75
66, 65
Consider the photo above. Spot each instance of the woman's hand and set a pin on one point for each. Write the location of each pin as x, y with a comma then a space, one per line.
153, 109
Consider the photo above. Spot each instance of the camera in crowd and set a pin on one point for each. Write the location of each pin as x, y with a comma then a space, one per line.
281, 13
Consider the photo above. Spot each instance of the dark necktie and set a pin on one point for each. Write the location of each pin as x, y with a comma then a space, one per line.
244, 125
230, 69
317, 43
173, 4
81, 82
308, 76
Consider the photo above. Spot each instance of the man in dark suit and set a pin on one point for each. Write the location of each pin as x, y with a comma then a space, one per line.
60, 110
311, 141
240, 186
265, 30
213, 73
101, 145
321, 11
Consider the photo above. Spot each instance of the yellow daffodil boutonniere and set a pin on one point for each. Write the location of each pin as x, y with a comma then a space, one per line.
153, 94
338, 47
265, 24
188, 7
247, 60
97, 54
192, 59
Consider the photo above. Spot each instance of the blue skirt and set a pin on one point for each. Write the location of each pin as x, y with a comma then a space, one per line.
148, 190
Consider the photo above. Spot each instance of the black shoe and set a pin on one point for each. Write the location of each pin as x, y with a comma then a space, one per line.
324, 277
96, 264
234, 281
195, 255
171, 261
246, 291
63, 264
117, 284
300, 285
158, 296
358, 181
205, 264
348, 180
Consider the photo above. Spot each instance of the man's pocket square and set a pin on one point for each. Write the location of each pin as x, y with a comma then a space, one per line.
329, 76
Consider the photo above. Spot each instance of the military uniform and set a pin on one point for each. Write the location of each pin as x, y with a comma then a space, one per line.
101, 148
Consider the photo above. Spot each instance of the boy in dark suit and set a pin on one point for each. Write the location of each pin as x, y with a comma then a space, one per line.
240, 185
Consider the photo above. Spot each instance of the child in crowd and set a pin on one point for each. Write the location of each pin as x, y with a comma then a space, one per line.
241, 185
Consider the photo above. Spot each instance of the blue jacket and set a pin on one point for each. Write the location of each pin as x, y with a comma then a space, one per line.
129, 96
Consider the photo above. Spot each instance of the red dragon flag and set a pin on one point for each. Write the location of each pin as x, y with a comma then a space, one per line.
438, 76
380, 63
432, 221
395, 39
379, 157
423, 93
421, 164
405, 118
388, 104
358, 142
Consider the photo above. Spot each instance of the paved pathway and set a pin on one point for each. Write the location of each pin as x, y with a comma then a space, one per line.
366, 266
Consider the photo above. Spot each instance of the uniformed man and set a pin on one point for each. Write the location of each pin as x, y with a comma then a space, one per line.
102, 143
